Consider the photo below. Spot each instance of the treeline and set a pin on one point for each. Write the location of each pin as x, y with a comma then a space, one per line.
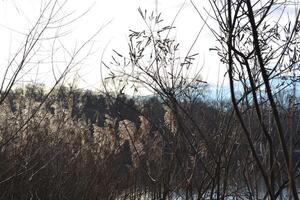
74, 138
82, 104
83, 145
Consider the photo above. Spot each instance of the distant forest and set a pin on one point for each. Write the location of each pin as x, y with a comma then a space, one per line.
93, 146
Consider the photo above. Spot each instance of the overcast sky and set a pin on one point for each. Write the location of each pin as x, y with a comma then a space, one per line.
118, 16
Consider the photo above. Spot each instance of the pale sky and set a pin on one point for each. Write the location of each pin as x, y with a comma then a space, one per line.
117, 17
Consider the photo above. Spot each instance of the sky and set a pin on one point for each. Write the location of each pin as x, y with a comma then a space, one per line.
114, 18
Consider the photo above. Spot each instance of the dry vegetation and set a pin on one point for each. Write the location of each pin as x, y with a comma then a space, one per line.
79, 145
68, 143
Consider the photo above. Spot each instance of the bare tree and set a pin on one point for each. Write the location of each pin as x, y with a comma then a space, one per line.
199, 141
258, 44
47, 30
